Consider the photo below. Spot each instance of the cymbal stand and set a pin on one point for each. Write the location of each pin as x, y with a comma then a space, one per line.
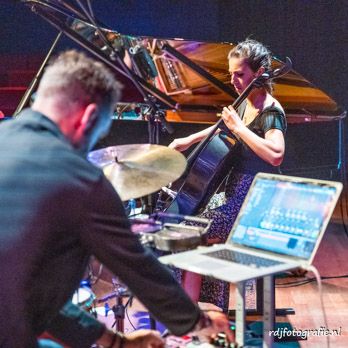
119, 308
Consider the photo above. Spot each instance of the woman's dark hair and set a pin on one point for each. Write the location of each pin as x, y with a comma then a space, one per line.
255, 54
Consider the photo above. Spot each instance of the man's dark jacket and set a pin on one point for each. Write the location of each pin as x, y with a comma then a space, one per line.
57, 209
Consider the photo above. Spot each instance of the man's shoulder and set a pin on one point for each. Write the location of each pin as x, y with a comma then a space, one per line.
64, 157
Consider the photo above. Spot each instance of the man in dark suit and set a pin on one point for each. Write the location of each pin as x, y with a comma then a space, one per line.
56, 209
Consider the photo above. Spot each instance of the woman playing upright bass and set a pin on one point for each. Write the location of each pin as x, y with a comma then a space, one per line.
260, 130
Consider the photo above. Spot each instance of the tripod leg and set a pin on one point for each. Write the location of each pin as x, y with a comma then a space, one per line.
119, 312
33, 84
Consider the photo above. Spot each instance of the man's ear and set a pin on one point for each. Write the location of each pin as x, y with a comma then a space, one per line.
89, 117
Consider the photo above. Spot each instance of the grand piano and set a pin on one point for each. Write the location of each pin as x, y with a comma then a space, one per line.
181, 86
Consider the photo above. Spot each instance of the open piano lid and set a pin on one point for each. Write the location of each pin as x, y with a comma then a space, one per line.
190, 79
194, 76
300, 98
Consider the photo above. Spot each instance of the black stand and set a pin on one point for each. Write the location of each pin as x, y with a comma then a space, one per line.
259, 310
119, 313
119, 308
152, 323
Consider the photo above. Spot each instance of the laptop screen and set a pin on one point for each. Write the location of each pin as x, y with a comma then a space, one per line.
285, 217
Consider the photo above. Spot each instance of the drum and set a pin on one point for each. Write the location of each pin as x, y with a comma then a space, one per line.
155, 232
84, 298
174, 237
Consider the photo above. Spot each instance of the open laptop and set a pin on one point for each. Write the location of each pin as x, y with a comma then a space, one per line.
279, 227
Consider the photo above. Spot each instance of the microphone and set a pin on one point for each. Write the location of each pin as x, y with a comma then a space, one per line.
143, 61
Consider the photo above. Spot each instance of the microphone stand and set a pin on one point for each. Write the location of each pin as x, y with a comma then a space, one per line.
156, 115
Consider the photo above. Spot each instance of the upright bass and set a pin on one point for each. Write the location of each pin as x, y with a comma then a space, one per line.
209, 163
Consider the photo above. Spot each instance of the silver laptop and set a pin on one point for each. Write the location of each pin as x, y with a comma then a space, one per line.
279, 227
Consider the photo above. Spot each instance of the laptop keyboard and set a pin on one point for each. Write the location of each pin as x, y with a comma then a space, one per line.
244, 259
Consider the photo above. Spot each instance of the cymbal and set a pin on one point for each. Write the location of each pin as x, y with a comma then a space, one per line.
139, 169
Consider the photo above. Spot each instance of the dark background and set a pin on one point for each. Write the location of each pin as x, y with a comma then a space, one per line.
312, 33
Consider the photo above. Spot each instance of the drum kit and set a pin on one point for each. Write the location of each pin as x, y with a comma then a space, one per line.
136, 171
